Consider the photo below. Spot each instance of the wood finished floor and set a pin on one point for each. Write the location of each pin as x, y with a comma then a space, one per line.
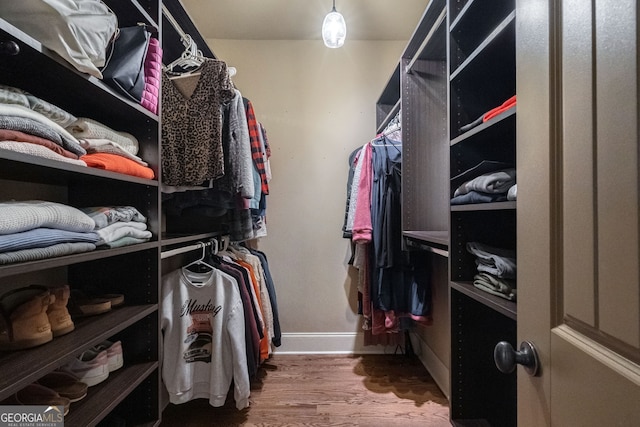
318, 390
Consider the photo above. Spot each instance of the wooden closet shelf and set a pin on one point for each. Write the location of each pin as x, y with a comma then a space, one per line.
391, 93
23, 367
501, 305
495, 124
435, 238
104, 397
495, 206
44, 264
392, 113
429, 18
431, 47
505, 30
23, 167
131, 12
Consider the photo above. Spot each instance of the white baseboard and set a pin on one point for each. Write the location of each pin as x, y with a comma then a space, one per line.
438, 371
328, 343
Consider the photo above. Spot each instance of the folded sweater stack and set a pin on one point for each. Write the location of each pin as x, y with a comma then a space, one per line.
32, 230
496, 270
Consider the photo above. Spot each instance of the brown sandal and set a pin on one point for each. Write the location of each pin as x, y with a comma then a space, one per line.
36, 394
82, 305
66, 385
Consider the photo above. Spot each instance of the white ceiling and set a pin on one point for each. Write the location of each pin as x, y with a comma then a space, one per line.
302, 19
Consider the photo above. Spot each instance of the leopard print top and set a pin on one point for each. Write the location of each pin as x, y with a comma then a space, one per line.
192, 126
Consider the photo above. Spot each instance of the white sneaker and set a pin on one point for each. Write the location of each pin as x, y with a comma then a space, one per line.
91, 367
114, 353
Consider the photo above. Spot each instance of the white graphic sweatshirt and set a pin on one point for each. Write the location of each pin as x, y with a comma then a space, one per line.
202, 320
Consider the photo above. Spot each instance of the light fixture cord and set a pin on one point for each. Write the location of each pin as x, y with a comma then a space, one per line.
334, 6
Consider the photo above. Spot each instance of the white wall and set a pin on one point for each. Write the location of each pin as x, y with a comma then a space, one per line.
317, 105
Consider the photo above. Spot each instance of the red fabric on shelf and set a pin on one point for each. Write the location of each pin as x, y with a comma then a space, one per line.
511, 102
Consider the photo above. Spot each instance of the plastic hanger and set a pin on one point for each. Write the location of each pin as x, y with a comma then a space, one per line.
225, 243
190, 60
199, 265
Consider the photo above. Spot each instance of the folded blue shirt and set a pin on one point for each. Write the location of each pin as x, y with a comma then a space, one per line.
43, 237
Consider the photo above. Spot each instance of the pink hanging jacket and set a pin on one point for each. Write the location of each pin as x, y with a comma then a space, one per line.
152, 70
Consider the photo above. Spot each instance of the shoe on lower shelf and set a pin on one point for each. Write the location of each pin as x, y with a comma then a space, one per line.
117, 300
91, 367
23, 318
114, 353
36, 394
82, 305
65, 384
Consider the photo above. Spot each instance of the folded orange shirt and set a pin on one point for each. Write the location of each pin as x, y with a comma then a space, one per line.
495, 111
115, 163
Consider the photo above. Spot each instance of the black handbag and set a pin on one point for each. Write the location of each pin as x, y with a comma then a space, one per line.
124, 70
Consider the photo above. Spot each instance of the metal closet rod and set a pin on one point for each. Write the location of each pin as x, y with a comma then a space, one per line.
189, 248
173, 22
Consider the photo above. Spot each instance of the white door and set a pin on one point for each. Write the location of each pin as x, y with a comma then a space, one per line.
578, 211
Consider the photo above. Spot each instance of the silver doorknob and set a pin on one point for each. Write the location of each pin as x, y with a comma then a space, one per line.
506, 357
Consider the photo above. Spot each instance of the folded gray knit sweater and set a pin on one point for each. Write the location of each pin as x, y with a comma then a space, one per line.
17, 216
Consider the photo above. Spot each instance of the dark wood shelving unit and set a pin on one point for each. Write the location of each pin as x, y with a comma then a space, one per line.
388, 103
419, 86
21, 368
425, 154
482, 77
132, 270
458, 65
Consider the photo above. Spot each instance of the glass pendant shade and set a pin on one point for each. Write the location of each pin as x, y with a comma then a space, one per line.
334, 29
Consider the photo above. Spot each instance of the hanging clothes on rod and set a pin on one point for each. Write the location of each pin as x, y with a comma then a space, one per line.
213, 147
389, 288
393, 130
204, 349
219, 323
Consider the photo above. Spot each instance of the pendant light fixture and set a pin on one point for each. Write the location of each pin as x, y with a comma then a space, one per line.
334, 29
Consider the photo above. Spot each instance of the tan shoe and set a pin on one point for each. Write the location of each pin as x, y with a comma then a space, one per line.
59, 316
23, 318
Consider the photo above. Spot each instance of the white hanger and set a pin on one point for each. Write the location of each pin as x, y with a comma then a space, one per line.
190, 60
225, 243
200, 262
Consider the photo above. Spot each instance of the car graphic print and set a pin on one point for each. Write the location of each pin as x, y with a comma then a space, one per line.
199, 337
